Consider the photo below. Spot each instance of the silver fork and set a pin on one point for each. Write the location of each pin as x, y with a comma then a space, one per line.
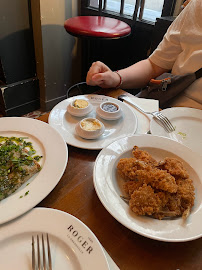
37, 263
158, 116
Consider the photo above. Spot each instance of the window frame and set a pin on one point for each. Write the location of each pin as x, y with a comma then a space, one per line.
168, 10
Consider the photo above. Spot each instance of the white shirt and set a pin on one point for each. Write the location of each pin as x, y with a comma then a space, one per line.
181, 50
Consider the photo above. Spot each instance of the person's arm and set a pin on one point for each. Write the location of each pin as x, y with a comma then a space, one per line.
162, 59
139, 74
135, 76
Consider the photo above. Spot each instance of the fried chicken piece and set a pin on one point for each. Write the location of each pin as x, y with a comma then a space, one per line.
157, 178
145, 202
131, 186
186, 194
170, 206
174, 167
174, 203
179, 203
143, 156
127, 167
157, 189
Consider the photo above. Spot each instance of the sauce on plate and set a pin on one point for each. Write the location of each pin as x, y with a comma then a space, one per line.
109, 107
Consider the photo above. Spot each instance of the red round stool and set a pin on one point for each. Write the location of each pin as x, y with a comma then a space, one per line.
92, 28
97, 27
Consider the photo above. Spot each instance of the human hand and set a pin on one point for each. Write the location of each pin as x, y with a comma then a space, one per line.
101, 75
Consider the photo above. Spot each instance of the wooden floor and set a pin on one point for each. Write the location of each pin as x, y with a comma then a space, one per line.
33, 114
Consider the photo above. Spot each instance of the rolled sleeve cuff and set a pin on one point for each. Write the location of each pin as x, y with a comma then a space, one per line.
161, 62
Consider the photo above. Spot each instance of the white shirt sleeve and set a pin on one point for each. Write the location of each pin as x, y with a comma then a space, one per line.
181, 48
168, 50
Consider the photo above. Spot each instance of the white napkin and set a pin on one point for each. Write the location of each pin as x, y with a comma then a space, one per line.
148, 105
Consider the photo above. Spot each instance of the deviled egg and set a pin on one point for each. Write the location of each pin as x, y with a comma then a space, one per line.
90, 128
79, 107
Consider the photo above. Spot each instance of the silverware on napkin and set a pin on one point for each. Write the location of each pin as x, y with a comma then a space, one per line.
158, 116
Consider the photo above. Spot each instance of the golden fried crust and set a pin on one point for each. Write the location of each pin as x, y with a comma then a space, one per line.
143, 156
131, 186
174, 203
158, 179
162, 190
144, 201
174, 167
186, 193
127, 167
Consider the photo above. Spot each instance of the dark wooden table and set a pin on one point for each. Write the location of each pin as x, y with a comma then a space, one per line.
75, 194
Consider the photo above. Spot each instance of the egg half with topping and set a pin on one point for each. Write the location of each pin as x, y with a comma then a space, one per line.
80, 103
79, 107
90, 128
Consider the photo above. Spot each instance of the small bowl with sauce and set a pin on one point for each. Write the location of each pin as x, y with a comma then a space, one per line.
79, 107
109, 111
90, 128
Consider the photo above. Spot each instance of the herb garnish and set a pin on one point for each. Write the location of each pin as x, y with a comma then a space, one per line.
17, 158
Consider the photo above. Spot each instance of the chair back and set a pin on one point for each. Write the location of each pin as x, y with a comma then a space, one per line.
100, 7
81, 89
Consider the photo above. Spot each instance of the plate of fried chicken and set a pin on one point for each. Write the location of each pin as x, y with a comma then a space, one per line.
153, 186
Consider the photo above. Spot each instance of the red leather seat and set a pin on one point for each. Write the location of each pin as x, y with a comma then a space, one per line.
92, 29
97, 26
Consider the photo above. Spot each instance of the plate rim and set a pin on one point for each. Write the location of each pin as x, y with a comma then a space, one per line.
17, 124
23, 224
82, 145
173, 109
159, 238
155, 129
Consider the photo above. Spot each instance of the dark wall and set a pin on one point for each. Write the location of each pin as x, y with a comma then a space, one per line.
19, 89
17, 56
119, 53
16, 45
159, 30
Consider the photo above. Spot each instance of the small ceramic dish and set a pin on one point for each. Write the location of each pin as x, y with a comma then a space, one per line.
90, 128
109, 110
79, 107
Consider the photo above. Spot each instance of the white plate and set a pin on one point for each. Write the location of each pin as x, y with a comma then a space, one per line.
188, 124
108, 185
73, 245
48, 143
65, 123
